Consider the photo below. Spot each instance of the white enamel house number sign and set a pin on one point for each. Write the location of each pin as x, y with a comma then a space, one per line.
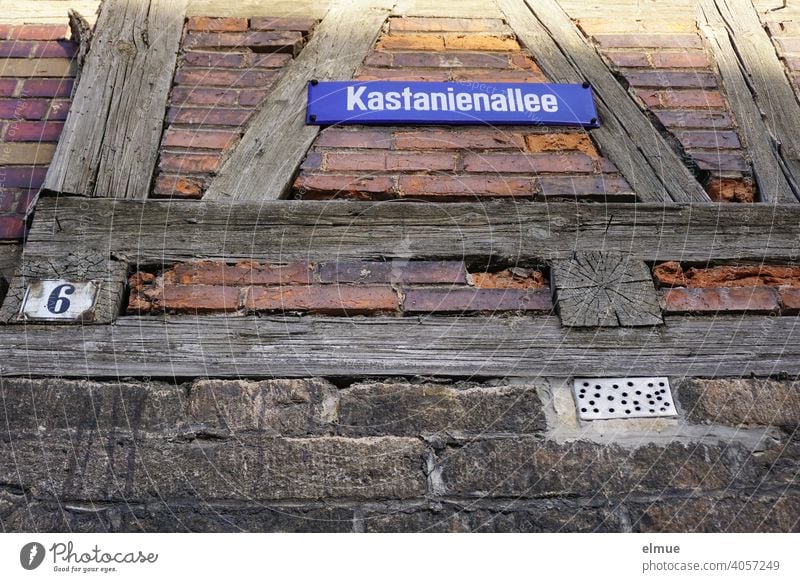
58, 300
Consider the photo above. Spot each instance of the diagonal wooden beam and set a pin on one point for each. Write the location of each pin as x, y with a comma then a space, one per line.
653, 169
773, 93
109, 146
264, 163
772, 171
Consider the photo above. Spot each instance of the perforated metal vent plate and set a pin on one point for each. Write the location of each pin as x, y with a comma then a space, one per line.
603, 398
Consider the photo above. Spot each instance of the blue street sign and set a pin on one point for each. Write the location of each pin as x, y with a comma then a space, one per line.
398, 102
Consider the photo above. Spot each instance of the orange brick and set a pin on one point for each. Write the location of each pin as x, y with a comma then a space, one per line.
411, 42
421, 24
693, 98
178, 186
481, 42
208, 24
244, 273
188, 162
352, 187
464, 188
629, 25
458, 139
206, 139
528, 163
554, 142
731, 190
680, 60
328, 299
195, 298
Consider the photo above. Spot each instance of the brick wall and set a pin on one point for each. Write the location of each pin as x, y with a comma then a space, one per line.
36, 73
338, 288
729, 289
458, 163
667, 67
786, 38
225, 70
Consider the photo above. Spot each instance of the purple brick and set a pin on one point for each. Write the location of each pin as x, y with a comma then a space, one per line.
47, 88
28, 177
457, 300
394, 272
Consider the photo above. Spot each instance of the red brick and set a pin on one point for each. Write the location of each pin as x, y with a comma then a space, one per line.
394, 272
204, 96
252, 97
709, 139
246, 273
481, 42
207, 139
628, 58
790, 300
12, 227
457, 300
190, 163
405, 74
284, 23
281, 41
380, 59
224, 78
327, 299
208, 116
561, 142
421, 24
59, 109
8, 200
464, 188
613, 188
693, 98
457, 139
674, 79
216, 24
196, 298
494, 76
333, 137
680, 60
34, 131
55, 49
649, 40
47, 88
26, 200
695, 119
649, 97
323, 187
216, 59
23, 108
451, 59
39, 32
7, 87
15, 49
268, 61
382, 161
720, 161
29, 177
178, 186
720, 300
730, 190
528, 163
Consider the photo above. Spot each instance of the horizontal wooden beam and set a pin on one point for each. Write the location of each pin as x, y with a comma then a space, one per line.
294, 346
157, 233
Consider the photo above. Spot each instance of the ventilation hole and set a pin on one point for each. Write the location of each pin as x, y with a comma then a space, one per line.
580, 395
596, 411
611, 410
649, 384
652, 411
630, 383
611, 398
637, 408
649, 395
583, 410
666, 404
624, 402
662, 409
659, 398
583, 390
627, 412
661, 384
585, 383
625, 394
591, 402
652, 402
635, 402
597, 395
638, 393
615, 386
598, 387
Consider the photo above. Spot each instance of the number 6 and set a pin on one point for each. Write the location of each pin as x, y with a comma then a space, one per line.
56, 303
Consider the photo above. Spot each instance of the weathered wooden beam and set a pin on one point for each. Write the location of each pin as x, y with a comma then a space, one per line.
264, 163
773, 93
626, 136
596, 288
156, 233
292, 346
771, 171
110, 141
